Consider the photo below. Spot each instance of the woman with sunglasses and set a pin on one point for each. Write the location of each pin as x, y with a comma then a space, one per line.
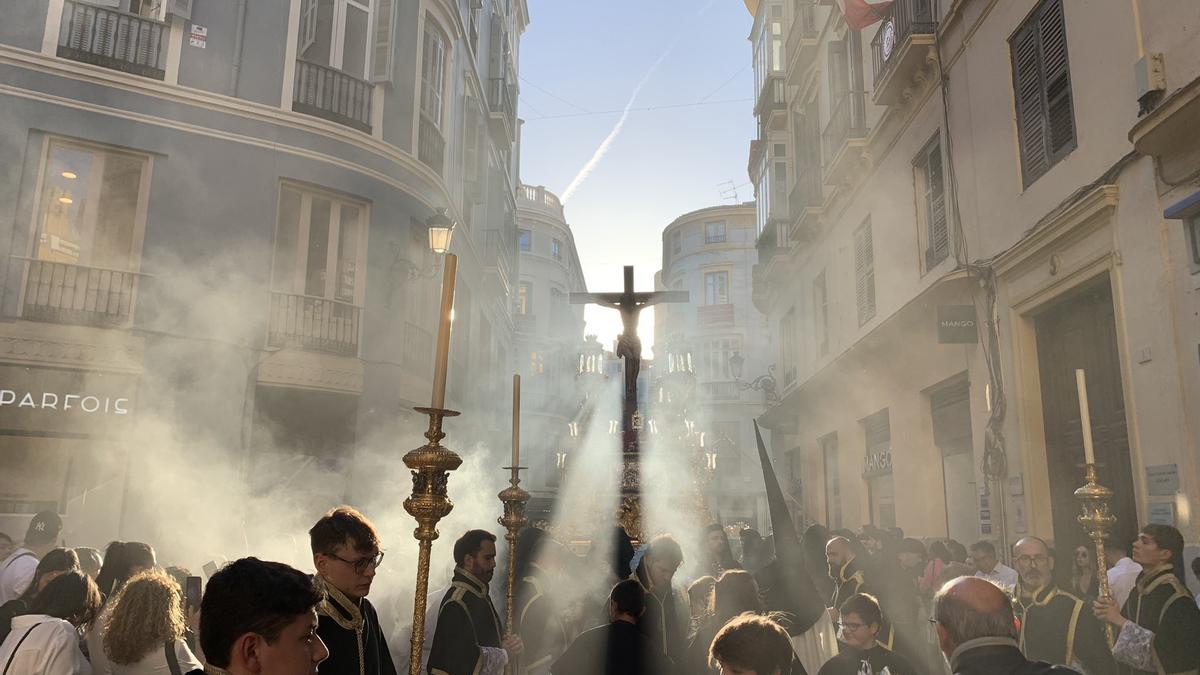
1083, 574
860, 651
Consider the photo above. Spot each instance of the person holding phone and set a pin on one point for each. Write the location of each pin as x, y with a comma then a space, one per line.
144, 632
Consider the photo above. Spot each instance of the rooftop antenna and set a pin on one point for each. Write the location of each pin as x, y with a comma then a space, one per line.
729, 191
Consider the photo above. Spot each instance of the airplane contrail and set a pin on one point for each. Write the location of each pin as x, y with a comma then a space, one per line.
616, 130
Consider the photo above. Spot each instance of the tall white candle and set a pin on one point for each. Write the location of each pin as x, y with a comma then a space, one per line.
1085, 417
516, 424
445, 323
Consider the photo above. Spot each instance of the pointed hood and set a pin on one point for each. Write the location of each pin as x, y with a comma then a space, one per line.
784, 582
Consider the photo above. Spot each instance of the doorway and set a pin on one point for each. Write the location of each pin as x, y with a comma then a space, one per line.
1080, 332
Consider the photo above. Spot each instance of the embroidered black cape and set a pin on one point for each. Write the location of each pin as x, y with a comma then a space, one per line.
1161, 603
352, 633
467, 621
1059, 627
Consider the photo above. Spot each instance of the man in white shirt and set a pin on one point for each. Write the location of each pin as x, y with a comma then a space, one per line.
989, 567
16, 571
1122, 571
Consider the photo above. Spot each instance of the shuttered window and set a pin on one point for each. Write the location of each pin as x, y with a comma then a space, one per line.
1042, 88
931, 203
864, 272
951, 412
821, 314
382, 40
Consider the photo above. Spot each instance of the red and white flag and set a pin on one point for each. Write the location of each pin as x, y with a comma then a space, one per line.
862, 13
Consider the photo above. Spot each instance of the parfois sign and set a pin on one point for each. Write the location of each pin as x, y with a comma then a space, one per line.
52, 401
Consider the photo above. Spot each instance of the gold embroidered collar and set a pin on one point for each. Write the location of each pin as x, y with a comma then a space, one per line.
338, 606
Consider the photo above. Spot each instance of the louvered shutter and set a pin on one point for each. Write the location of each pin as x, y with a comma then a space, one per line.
383, 40
939, 234
1031, 118
838, 76
181, 9
308, 25
1056, 71
495, 53
864, 267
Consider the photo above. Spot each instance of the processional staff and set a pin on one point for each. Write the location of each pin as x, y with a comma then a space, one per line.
1096, 516
430, 465
514, 500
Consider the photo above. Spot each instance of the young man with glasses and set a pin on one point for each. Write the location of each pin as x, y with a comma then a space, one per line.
861, 652
1055, 625
346, 553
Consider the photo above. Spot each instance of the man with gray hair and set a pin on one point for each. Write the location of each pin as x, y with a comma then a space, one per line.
977, 631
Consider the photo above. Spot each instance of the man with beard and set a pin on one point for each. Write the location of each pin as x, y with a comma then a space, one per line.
535, 614
665, 622
1056, 626
345, 548
849, 579
467, 640
718, 554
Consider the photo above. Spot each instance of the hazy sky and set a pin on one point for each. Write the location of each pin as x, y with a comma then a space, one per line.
579, 55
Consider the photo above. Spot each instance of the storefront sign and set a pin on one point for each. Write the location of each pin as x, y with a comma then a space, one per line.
957, 325
1162, 513
1162, 480
54, 401
878, 464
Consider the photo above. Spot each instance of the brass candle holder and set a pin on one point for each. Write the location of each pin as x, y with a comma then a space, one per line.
1097, 519
514, 499
431, 465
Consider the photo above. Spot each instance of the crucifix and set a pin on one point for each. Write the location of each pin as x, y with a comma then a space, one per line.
629, 347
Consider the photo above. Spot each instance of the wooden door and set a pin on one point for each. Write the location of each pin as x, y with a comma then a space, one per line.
1080, 332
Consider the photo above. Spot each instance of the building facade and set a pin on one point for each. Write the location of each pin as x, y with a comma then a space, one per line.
215, 217
711, 254
960, 205
548, 339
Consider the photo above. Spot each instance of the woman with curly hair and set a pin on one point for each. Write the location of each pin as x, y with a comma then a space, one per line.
144, 633
122, 560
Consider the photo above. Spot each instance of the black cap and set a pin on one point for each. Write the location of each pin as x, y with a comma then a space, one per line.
44, 528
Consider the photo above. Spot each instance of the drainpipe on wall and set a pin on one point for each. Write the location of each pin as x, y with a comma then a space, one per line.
235, 70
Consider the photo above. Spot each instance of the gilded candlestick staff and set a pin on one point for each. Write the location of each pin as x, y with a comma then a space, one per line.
513, 520
1096, 516
431, 465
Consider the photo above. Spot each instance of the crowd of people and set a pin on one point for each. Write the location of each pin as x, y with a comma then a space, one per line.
899, 605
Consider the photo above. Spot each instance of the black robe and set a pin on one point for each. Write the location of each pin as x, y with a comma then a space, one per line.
466, 621
1059, 627
849, 660
1000, 656
538, 622
618, 648
352, 633
1161, 603
664, 622
851, 579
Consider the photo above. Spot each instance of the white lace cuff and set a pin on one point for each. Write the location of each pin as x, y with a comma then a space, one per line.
494, 661
1135, 647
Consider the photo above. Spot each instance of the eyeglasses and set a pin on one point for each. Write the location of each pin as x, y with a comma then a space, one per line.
361, 565
852, 627
1033, 559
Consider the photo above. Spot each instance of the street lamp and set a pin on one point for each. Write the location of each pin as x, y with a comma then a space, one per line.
441, 230
765, 383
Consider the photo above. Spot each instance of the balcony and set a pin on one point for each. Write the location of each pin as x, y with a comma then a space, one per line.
903, 48
431, 146
771, 106
498, 259
525, 323
806, 203
64, 293
769, 243
312, 323
721, 391
502, 102
844, 138
112, 39
802, 41
539, 195
715, 315
333, 95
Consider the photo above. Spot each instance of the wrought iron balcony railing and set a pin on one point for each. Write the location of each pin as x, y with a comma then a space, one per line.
318, 324
431, 145
905, 19
331, 94
113, 39
847, 120
58, 292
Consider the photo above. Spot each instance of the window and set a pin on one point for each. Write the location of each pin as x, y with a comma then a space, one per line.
320, 246
714, 233
716, 288
931, 203
524, 240
556, 249
779, 187
714, 358
558, 308
537, 363
877, 469
525, 298
864, 272
821, 314
1042, 89
676, 242
433, 73
729, 436
1192, 231
788, 346
768, 47
89, 207
338, 34
833, 491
